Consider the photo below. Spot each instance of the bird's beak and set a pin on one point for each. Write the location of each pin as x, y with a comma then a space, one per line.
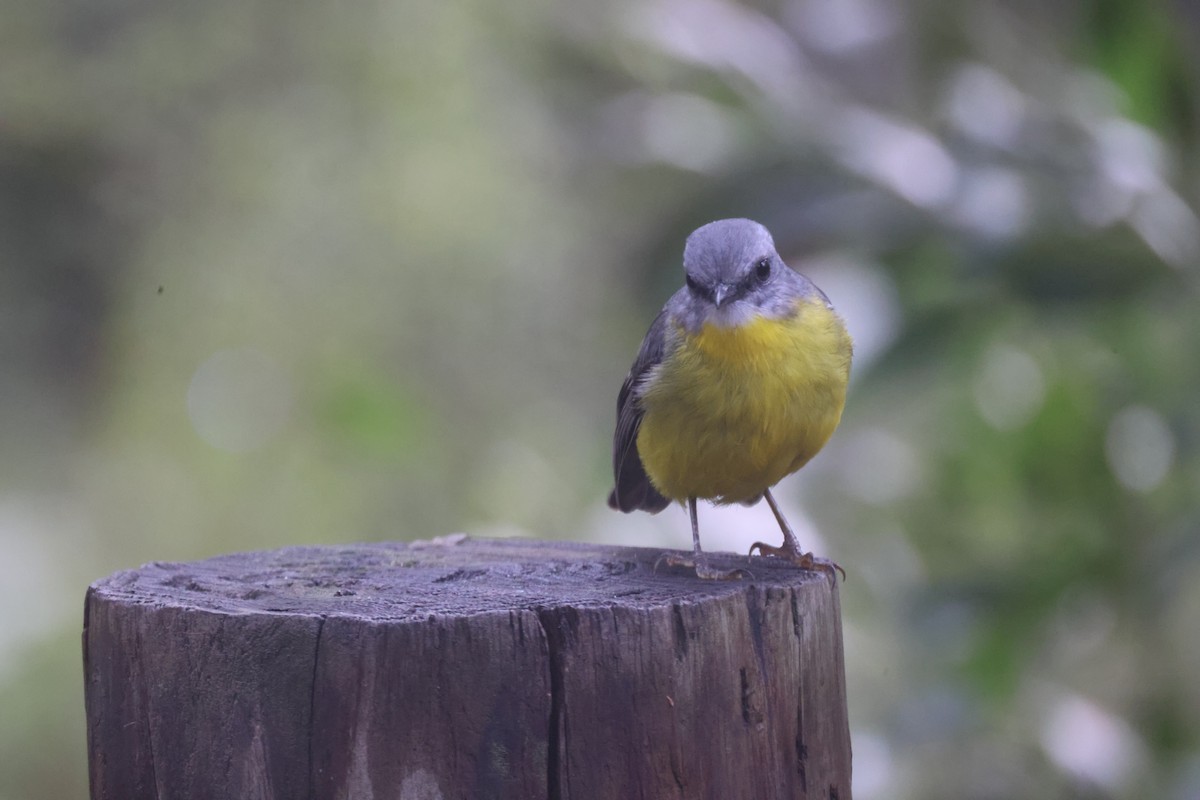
721, 293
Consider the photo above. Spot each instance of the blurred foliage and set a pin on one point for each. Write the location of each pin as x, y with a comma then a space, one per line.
315, 273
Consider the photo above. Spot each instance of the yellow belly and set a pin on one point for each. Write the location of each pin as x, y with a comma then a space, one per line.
731, 411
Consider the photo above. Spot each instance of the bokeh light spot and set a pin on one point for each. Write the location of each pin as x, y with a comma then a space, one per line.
993, 202
1009, 388
908, 160
839, 26
985, 106
874, 766
1140, 448
1090, 743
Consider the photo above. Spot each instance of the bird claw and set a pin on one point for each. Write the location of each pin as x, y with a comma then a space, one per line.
802, 560
702, 568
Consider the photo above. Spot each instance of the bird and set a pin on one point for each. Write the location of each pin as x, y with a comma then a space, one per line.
739, 382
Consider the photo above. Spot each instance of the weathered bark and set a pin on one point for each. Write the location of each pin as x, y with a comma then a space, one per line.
464, 669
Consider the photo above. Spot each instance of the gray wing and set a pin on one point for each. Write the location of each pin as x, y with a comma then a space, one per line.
633, 490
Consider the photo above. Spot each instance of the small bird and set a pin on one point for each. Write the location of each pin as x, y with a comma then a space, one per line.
739, 382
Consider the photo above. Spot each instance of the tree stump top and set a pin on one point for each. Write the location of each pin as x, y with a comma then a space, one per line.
452, 575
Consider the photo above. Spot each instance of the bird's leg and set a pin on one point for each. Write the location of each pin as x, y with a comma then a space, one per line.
790, 549
699, 561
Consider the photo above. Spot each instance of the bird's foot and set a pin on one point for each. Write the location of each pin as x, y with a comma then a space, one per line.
702, 568
802, 560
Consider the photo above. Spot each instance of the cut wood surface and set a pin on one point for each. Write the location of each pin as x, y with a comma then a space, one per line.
464, 668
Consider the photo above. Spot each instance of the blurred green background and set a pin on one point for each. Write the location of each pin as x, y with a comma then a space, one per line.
277, 273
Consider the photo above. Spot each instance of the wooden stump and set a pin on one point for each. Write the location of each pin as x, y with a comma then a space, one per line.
465, 669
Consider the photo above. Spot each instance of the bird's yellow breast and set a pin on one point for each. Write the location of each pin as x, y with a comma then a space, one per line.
732, 410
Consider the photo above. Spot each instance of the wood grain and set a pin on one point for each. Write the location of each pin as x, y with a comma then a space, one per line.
464, 668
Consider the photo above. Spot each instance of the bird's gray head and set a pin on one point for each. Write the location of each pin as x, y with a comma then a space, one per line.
733, 272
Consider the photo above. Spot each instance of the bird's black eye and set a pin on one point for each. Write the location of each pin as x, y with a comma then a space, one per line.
762, 270
692, 283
